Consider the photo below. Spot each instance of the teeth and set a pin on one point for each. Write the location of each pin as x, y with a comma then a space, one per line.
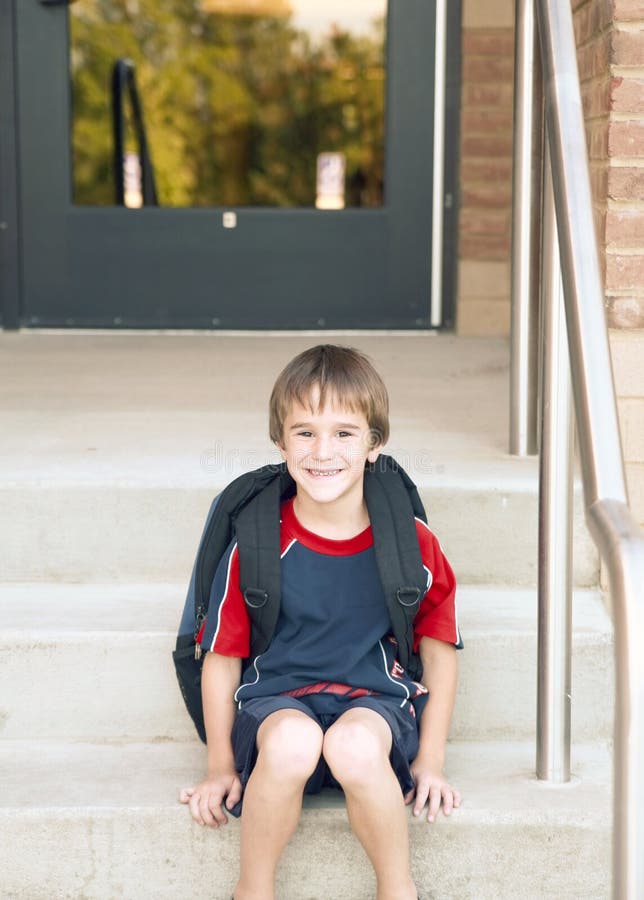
319, 474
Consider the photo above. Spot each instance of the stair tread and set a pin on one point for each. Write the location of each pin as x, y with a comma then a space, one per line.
42, 609
163, 409
496, 780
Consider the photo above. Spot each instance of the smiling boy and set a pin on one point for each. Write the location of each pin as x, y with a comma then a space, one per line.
328, 701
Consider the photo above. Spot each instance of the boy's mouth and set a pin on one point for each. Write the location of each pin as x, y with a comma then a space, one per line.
323, 473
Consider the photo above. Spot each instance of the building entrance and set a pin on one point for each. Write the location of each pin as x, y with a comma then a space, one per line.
225, 163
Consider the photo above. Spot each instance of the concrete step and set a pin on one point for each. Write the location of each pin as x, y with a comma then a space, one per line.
127, 532
92, 662
102, 821
113, 446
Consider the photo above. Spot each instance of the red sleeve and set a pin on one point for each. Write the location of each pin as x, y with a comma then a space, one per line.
436, 617
227, 626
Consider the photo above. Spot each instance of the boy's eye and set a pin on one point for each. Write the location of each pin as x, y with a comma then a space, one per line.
304, 433
345, 434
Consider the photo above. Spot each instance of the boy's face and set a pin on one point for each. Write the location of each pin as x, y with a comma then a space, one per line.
326, 450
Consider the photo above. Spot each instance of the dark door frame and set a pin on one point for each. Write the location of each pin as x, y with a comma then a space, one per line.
11, 305
10, 292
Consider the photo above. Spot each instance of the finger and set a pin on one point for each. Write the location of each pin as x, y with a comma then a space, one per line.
234, 794
219, 817
409, 796
185, 794
448, 800
194, 808
457, 799
434, 803
422, 792
204, 810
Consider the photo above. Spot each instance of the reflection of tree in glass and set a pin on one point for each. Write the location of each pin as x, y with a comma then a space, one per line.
237, 107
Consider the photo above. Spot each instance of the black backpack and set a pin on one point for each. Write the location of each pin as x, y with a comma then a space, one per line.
249, 511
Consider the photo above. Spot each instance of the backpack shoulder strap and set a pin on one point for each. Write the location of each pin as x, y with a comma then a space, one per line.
219, 530
257, 527
393, 502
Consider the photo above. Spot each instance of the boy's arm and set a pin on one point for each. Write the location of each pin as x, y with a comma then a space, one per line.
219, 680
439, 677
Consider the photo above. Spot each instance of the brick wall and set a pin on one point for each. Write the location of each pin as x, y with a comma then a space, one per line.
483, 305
611, 61
625, 216
610, 52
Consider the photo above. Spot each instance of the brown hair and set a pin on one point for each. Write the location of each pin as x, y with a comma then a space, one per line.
340, 373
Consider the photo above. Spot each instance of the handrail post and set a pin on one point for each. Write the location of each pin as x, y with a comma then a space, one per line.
526, 190
555, 512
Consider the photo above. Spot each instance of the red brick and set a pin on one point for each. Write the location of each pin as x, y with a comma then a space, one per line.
599, 182
489, 196
594, 59
488, 42
597, 139
492, 69
476, 221
624, 273
627, 94
592, 19
488, 249
625, 312
487, 121
625, 228
626, 139
628, 10
628, 47
599, 217
480, 145
481, 95
488, 170
626, 183
596, 98
486, 144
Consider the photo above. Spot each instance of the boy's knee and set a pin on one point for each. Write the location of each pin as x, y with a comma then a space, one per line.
290, 743
354, 752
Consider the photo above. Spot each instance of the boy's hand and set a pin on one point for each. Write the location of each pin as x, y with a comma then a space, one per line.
206, 798
431, 785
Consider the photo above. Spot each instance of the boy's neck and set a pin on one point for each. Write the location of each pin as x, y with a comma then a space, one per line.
340, 520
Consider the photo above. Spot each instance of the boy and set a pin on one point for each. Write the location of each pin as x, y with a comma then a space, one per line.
327, 702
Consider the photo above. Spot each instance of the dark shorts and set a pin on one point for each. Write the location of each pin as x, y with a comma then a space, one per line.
402, 722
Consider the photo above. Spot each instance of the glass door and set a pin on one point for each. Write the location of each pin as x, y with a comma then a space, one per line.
226, 163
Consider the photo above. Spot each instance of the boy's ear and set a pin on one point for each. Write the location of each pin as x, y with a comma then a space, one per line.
374, 453
281, 449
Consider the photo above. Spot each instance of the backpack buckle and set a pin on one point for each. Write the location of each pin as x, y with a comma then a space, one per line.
408, 596
255, 598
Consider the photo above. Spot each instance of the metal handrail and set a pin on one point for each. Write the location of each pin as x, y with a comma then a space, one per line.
124, 81
618, 537
526, 189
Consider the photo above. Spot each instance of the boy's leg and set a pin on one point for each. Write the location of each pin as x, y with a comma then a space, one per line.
356, 749
289, 745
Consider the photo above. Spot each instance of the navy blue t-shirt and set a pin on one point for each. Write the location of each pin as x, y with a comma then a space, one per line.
333, 636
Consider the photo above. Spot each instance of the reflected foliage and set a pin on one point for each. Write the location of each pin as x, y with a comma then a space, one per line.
236, 107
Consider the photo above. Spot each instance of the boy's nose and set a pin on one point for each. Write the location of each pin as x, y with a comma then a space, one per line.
323, 448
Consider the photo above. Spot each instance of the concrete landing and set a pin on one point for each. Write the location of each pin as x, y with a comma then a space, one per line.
113, 446
191, 409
